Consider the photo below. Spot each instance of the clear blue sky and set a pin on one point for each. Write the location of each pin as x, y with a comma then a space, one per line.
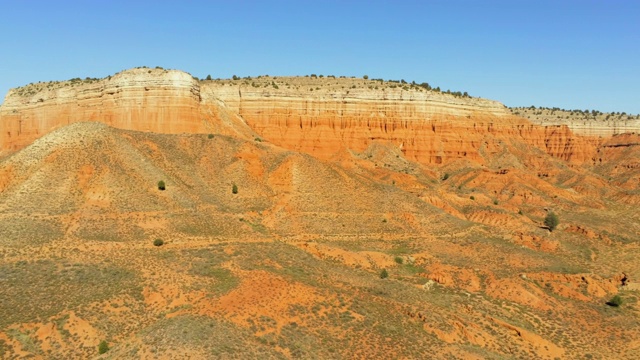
571, 54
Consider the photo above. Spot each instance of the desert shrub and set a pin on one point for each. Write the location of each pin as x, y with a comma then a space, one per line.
366, 77
551, 221
208, 77
472, 197
495, 202
445, 177
103, 347
234, 189
399, 260
210, 136
161, 185
158, 242
384, 274
615, 301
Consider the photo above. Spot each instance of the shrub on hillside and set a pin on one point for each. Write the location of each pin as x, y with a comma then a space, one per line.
551, 221
615, 301
384, 274
161, 185
234, 189
103, 347
158, 242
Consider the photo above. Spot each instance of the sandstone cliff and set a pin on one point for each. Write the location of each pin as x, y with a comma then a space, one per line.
582, 122
154, 100
320, 116
324, 116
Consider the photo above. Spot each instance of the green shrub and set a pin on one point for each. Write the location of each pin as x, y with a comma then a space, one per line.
615, 301
384, 274
210, 136
399, 260
472, 197
161, 185
158, 242
234, 189
551, 221
366, 77
445, 177
495, 202
103, 347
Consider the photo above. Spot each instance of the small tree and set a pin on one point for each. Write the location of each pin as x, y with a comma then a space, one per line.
208, 77
366, 77
234, 189
551, 221
384, 274
103, 347
161, 186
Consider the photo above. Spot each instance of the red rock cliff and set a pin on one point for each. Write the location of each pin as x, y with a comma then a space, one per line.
320, 116
324, 116
138, 99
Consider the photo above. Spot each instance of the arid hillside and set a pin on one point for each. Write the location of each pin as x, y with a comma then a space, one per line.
306, 218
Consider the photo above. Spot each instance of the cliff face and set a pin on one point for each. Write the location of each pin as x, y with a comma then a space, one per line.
582, 122
138, 99
320, 116
429, 127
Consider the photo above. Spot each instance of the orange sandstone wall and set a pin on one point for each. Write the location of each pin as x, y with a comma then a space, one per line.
318, 116
429, 127
138, 99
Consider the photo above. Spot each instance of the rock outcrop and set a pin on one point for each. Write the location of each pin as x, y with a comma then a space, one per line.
319, 116
138, 99
428, 127
582, 122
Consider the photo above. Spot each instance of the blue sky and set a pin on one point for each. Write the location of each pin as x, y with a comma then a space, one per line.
578, 54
